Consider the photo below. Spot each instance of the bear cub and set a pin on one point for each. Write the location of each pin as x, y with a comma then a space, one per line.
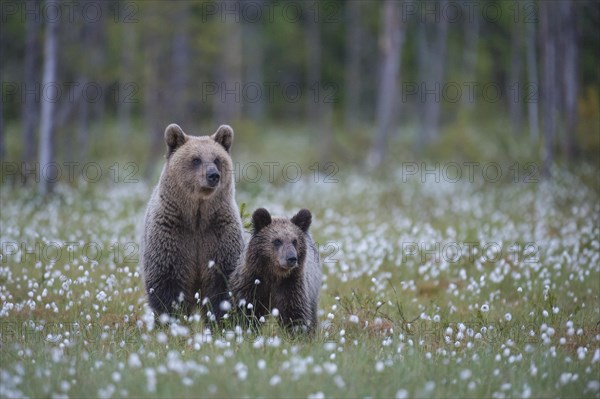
192, 238
281, 269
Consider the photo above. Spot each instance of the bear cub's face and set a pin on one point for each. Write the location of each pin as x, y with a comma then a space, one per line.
280, 242
200, 165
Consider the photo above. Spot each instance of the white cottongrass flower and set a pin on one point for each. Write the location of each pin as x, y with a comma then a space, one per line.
107, 392
402, 394
65, 386
353, 319
275, 312
485, 308
379, 366
330, 368
134, 360
508, 317
565, 378
429, 386
242, 371
330, 346
150, 380
275, 380
596, 357
101, 296
593, 386
465, 374
225, 306
161, 338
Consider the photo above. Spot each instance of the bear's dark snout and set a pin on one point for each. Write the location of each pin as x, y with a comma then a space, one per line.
213, 176
291, 258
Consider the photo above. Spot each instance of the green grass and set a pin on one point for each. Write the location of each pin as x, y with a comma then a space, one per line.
392, 323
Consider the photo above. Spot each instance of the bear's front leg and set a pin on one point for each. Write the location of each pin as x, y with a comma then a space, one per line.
296, 321
294, 311
227, 257
217, 292
167, 277
167, 295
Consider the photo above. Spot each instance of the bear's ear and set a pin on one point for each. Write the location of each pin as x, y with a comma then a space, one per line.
224, 136
302, 219
174, 137
260, 219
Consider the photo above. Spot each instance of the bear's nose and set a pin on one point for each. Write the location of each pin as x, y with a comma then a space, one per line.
213, 178
292, 260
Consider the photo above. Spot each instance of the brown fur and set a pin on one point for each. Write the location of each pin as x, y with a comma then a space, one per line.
282, 256
191, 221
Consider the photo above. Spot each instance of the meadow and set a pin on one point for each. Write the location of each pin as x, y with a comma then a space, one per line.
434, 285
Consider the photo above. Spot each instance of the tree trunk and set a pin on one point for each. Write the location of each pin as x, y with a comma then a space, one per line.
29, 111
432, 62
229, 71
156, 67
255, 100
180, 63
46, 149
2, 149
531, 91
570, 75
515, 107
83, 124
548, 23
126, 85
97, 66
87, 68
470, 50
391, 41
352, 85
313, 65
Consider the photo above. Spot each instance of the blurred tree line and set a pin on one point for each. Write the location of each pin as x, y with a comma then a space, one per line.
348, 66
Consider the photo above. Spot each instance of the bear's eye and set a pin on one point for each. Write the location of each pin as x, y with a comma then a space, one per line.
196, 161
277, 242
295, 243
218, 163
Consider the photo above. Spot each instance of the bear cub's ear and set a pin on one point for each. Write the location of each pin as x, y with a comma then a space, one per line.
260, 219
174, 137
302, 219
224, 136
